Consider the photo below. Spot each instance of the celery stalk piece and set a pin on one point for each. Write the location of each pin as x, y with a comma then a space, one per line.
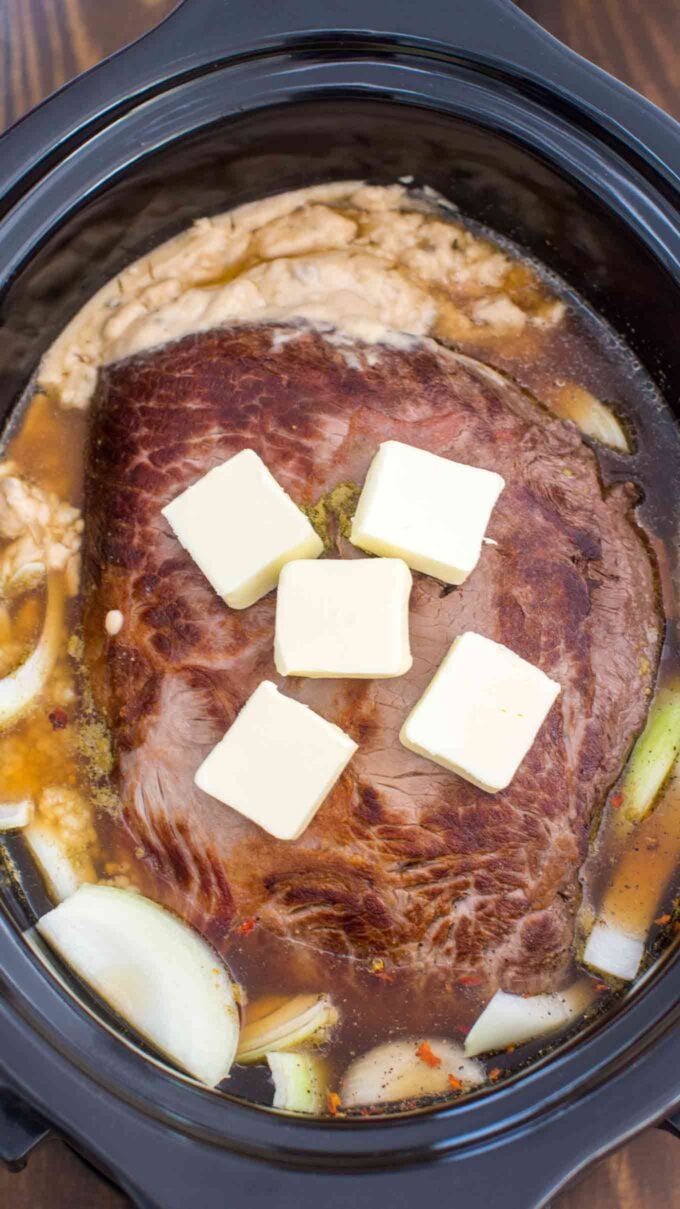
15, 815
513, 1019
302, 1022
611, 951
300, 1082
653, 758
646, 868
21, 688
154, 971
394, 1072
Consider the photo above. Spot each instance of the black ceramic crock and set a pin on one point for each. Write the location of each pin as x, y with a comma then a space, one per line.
224, 103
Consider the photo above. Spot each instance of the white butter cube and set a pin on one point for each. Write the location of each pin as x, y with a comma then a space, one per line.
481, 713
276, 763
426, 509
343, 618
240, 527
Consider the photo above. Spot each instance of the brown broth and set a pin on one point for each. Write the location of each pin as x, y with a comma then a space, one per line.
636, 876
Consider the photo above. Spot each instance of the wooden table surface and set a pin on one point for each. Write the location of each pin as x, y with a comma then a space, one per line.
45, 42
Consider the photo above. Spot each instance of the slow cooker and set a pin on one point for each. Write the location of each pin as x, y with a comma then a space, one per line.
226, 102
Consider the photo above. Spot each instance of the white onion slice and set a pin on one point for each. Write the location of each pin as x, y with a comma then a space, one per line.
592, 416
299, 1082
15, 815
155, 971
62, 870
21, 688
513, 1019
300, 1022
393, 1072
612, 951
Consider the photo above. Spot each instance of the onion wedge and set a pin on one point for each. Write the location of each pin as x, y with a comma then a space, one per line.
513, 1019
62, 871
22, 687
394, 1072
301, 1022
154, 971
16, 815
613, 951
593, 417
299, 1082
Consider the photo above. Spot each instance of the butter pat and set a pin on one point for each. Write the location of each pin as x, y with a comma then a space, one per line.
276, 763
343, 618
240, 527
426, 509
481, 713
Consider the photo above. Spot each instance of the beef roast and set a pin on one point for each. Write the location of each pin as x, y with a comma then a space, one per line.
404, 859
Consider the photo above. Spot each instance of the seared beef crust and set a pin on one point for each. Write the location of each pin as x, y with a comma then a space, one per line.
404, 859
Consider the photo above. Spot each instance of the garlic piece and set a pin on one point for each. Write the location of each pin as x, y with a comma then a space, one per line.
113, 622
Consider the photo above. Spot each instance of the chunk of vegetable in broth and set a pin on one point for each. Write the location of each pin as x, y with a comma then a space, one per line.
610, 950
302, 1022
154, 971
593, 417
63, 871
15, 815
22, 687
653, 758
632, 898
408, 1070
300, 1082
513, 1019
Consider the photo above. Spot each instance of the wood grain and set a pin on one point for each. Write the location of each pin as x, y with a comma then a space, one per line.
43, 43
636, 40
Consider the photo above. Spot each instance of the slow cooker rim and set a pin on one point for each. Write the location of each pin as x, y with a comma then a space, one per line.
597, 167
368, 1127
95, 147
493, 35
55, 176
68, 1030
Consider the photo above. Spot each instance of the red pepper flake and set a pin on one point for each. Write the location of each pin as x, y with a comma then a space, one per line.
246, 927
616, 800
462, 1029
663, 919
469, 980
377, 969
600, 986
454, 1083
495, 1074
333, 1102
424, 1052
58, 718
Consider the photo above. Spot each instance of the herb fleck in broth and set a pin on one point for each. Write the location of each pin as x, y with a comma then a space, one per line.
59, 754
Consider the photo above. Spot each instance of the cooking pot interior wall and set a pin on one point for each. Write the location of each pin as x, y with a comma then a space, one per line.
491, 177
